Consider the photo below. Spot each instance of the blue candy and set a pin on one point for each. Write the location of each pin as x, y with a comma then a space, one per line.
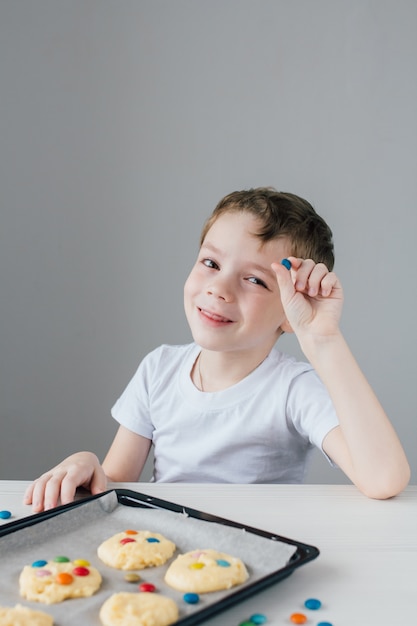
313, 604
191, 598
258, 618
39, 563
5, 514
286, 263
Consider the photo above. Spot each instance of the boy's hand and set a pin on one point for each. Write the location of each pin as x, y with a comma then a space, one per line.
312, 297
82, 469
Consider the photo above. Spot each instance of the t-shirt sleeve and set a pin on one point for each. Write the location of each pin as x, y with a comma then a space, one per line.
310, 409
131, 410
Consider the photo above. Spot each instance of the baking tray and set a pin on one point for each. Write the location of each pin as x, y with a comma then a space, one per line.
83, 524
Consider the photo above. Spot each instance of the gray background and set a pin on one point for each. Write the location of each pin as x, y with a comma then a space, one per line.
122, 123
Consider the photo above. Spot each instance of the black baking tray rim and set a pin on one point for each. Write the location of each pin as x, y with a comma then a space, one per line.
303, 554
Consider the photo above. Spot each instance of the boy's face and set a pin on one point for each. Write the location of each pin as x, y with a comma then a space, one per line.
231, 296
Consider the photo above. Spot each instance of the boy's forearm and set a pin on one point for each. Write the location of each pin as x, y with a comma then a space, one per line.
377, 460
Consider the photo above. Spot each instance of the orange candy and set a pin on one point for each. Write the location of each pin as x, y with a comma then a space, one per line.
298, 618
63, 578
131, 532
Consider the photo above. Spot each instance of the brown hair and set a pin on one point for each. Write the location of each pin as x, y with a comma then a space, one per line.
281, 215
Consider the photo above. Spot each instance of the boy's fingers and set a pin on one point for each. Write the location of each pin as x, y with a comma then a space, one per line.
307, 277
98, 482
67, 488
38, 494
52, 492
314, 282
285, 283
27, 498
329, 283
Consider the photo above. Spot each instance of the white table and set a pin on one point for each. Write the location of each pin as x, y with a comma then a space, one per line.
365, 575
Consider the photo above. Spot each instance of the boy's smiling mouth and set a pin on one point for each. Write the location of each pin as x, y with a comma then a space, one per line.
214, 317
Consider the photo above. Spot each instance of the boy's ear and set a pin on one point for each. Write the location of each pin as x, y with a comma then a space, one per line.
286, 327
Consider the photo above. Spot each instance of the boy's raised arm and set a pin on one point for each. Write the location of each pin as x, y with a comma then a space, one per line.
364, 445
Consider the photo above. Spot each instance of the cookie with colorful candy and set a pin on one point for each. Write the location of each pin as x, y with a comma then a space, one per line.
135, 550
202, 571
57, 580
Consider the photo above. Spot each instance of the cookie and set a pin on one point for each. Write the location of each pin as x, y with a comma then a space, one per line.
21, 616
54, 581
140, 609
202, 571
136, 549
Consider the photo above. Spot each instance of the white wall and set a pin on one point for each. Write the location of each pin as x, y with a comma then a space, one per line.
122, 123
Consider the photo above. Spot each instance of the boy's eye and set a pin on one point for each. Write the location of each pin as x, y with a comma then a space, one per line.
210, 263
256, 281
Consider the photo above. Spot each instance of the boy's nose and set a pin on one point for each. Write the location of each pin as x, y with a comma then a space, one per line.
220, 288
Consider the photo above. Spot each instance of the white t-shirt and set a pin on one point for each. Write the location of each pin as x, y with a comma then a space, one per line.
260, 430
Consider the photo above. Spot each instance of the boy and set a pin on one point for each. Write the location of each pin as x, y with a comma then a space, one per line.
230, 407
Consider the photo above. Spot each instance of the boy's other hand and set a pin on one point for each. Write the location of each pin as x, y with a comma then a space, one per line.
82, 469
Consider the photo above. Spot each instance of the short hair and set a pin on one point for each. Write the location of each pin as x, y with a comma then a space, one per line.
281, 215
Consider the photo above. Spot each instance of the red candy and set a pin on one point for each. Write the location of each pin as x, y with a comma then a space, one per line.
81, 571
147, 587
127, 540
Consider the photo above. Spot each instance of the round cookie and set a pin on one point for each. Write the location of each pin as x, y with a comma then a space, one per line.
202, 571
135, 549
138, 609
22, 616
54, 581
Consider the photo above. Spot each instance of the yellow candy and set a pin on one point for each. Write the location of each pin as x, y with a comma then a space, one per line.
196, 565
81, 563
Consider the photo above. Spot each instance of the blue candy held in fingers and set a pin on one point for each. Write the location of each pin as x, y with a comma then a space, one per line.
286, 263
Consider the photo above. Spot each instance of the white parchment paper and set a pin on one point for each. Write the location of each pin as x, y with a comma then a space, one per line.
77, 533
